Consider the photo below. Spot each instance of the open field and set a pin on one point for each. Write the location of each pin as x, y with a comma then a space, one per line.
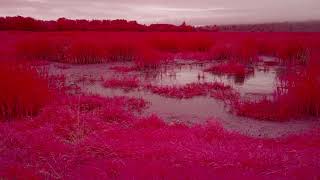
159, 105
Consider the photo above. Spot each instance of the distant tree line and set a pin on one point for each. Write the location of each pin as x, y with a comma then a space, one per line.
306, 26
63, 24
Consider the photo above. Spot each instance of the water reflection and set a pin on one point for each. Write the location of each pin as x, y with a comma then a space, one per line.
196, 110
259, 81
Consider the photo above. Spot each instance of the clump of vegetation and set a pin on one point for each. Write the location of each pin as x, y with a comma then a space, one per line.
230, 68
22, 92
123, 83
296, 96
189, 90
110, 141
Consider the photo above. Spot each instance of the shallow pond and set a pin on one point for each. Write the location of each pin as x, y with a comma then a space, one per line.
195, 110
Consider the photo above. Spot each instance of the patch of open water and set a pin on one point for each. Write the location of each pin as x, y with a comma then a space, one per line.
194, 110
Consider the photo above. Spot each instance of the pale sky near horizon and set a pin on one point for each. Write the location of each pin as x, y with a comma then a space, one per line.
195, 12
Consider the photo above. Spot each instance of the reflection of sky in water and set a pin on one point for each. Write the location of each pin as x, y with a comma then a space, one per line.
261, 82
195, 110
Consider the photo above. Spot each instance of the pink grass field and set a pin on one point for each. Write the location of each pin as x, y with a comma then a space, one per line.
49, 129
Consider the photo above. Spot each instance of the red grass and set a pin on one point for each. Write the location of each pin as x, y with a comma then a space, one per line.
83, 137
182, 42
302, 91
220, 52
293, 52
215, 89
84, 51
124, 83
40, 47
263, 109
296, 96
122, 49
89, 137
189, 90
22, 91
156, 47
149, 58
230, 68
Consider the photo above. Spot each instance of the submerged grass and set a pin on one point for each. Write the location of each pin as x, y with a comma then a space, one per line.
189, 90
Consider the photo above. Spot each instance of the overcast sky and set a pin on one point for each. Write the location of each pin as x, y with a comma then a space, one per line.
196, 12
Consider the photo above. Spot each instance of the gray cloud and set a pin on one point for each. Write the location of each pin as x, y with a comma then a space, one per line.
196, 12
